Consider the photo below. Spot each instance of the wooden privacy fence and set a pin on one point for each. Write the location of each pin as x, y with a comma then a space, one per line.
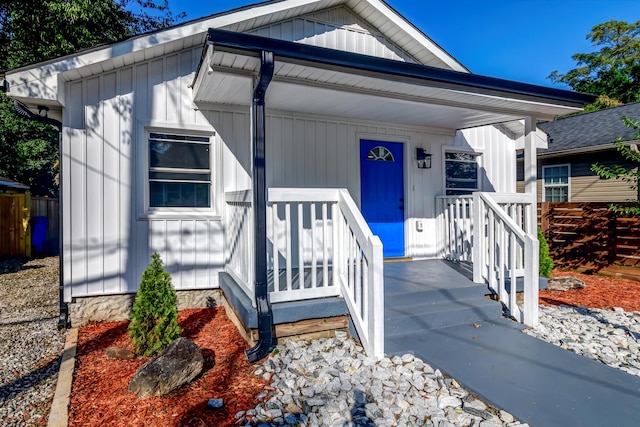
15, 233
591, 237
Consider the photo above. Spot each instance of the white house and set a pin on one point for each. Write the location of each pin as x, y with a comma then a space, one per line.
369, 129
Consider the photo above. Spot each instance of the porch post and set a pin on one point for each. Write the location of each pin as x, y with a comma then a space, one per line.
531, 277
530, 172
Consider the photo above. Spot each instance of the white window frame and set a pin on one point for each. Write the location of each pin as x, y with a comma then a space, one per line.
145, 211
477, 158
545, 185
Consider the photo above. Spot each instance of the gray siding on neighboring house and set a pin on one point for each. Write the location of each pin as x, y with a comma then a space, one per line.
586, 186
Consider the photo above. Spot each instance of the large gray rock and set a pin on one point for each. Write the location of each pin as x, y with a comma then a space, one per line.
564, 283
178, 365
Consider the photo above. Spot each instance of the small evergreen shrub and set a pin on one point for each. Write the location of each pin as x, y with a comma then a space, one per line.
546, 263
154, 320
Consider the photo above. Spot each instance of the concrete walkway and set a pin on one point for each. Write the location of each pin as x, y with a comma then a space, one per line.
537, 382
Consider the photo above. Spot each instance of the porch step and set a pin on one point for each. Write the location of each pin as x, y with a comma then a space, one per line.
404, 319
434, 296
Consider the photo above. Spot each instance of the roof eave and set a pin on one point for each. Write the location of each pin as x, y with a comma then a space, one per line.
232, 41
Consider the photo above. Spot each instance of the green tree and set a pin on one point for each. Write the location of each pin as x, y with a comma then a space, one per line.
630, 175
545, 266
33, 31
612, 70
29, 150
154, 319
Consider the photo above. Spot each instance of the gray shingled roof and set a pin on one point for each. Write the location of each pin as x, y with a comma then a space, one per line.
590, 129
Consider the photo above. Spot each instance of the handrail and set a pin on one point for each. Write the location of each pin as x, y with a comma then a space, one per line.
366, 304
508, 221
503, 252
338, 246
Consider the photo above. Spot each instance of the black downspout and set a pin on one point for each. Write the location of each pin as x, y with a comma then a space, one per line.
266, 331
24, 112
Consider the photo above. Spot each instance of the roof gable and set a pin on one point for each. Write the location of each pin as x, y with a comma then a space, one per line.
599, 128
43, 81
336, 28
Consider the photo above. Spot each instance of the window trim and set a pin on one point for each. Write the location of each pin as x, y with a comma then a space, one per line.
568, 184
477, 156
145, 211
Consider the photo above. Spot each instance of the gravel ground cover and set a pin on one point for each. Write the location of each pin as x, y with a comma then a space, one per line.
30, 343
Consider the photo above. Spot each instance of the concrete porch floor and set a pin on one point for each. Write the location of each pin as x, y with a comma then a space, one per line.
430, 311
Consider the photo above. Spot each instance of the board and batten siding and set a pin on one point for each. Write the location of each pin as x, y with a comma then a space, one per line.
497, 154
107, 239
585, 185
336, 28
313, 152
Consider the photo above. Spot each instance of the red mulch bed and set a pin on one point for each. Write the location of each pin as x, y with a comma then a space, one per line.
99, 394
599, 292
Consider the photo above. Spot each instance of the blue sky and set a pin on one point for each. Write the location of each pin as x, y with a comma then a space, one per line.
522, 40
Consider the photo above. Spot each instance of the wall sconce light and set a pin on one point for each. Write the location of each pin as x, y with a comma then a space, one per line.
424, 159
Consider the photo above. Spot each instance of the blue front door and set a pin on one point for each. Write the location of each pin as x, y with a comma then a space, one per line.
382, 193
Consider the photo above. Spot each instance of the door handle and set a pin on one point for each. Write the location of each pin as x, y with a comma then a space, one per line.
401, 199
401, 208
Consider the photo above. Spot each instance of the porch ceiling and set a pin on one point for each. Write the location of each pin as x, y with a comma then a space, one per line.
320, 81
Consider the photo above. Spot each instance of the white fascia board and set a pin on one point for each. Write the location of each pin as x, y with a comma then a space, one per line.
43, 81
417, 35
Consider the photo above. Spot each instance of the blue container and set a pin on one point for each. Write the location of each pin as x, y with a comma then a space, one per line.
39, 226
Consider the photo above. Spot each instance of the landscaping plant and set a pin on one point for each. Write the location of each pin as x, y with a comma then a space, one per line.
154, 320
546, 263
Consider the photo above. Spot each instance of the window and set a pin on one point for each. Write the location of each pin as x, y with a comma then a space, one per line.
179, 171
380, 154
555, 181
461, 173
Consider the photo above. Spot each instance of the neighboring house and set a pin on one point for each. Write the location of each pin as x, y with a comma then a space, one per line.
370, 129
576, 143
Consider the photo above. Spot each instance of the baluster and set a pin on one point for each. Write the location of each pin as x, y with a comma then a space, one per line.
335, 213
276, 248
457, 233
365, 283
501, 263
301, 246
314, 247
357, 287
492, 250
325, 246
365, 289
513, 254
287, 226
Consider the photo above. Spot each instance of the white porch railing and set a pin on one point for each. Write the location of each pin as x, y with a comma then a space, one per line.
239, 241
454, 227
319, 246
494, 231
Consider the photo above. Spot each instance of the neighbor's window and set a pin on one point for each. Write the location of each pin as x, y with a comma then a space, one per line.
461, 173
179, 171
555, 180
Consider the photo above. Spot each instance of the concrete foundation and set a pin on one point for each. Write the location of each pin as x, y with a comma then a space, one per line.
108, 308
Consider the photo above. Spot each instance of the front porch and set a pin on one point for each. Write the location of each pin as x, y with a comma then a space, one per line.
320, 250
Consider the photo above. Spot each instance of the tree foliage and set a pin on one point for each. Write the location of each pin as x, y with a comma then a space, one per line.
630, 175
613, 69
154, 320
34, 31
545, 266
29, 150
